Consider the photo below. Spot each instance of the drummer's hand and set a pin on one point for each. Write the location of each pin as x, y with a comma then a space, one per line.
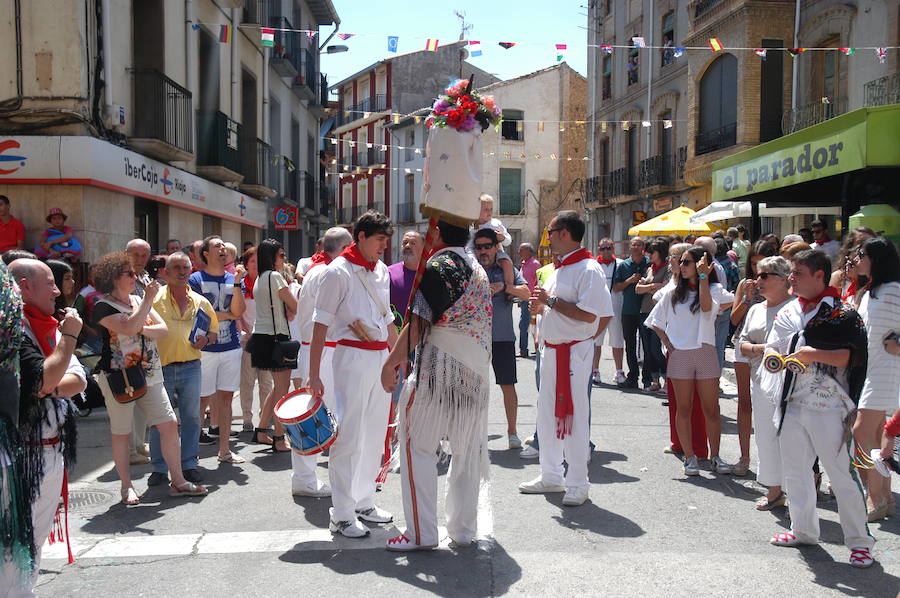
315, 386
389, 378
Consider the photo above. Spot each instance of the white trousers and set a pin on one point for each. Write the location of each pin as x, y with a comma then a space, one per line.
419, 477
575, 447
304, 466
43, 512
768, 470
804, 435
361, 408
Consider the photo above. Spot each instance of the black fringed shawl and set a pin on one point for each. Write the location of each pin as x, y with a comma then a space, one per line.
840, 327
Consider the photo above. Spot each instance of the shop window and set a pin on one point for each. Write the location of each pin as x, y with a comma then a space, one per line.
633, 67
668, 38
718, 106
510, 191
513, 126
607, 77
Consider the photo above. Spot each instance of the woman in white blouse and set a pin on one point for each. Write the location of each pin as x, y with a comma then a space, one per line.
880, 309
685, 320
772, 283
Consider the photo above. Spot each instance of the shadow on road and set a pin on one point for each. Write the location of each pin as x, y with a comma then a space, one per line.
874, 582
590, 517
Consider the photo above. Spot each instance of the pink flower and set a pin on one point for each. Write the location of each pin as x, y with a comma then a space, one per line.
489, 102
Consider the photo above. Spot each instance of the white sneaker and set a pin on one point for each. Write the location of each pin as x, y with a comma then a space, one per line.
691, 467
317, 490
575, 496
350, 529
514, 442
539, 486
403, 544
529, 452
719, 465
595, 378
620, 377
529, 441
374, 515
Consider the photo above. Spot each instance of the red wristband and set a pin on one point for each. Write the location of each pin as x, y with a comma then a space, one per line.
892, 427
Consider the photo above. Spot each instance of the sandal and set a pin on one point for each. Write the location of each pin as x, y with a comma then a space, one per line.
231, 458
275, 441
187, 489
130, 498
861, 557
784, 539
765, 504
256, 433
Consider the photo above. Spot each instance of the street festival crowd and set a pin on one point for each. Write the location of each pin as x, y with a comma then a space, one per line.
397, 380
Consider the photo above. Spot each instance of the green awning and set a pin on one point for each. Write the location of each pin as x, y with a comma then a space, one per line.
859, 139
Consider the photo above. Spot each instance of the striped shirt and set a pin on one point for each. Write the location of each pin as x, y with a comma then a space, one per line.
881, 315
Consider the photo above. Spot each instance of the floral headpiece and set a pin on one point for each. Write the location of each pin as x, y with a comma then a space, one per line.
463, 109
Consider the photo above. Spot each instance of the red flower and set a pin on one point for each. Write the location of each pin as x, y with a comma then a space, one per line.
470, 107
455, 118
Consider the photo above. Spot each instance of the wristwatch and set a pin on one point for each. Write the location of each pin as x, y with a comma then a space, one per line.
551, 301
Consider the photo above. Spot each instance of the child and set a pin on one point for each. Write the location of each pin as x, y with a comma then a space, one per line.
231, 250
58, 241
486, 220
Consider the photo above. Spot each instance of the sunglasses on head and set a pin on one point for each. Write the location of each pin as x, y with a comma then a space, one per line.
766, 275
483, 246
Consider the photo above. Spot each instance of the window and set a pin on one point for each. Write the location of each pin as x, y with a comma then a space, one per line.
410, 144
771, 92
718, 106
513, 128
825, 74
604, 155
668, 38
408, 208
634, 66
666, 151
510, 191
607, 77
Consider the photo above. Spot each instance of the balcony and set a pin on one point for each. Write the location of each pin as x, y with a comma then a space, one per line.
716, 139
349, 214
308, 186
218, 147
703, 6
883, 91
511, 204
256, 12
163, 117
326, 199
306, 83
256, 159
377, 103
656, 171
319, 105
811, 114
593, 190
620, 182
406, 212
285, 58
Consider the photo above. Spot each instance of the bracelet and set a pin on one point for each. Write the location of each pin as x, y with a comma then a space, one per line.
701, 276
237, 285
71, 336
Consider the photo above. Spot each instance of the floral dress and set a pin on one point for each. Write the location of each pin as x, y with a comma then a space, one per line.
121, 351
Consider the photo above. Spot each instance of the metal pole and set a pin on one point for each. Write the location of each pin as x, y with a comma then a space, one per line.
189, 83
794, 70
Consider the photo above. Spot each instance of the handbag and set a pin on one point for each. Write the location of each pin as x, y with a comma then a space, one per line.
130, 384
284, 353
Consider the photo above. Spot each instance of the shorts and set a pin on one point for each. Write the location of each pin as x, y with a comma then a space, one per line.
220, 370
154, 405
616, 336
260, 347
503, 358
694, 364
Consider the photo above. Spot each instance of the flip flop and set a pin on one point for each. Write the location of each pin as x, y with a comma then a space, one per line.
231, 458
130, 497
187, 489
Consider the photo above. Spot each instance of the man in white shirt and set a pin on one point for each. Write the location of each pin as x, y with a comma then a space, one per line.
303, 479
608, 261
305, 263
823, 242
574, 304
352, 310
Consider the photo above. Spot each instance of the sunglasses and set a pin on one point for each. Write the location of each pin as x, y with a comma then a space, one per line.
686, 262
483, 246
766, 275
550, 231
606, 248
860, 253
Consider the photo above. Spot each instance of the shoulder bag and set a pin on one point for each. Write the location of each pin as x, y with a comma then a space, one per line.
284, 353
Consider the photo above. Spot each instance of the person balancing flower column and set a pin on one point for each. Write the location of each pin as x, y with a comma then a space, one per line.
574, 305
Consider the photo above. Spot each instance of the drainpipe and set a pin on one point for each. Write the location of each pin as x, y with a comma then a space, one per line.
189, 82
592, 136
235, 65
107, 58
794, 70
265, 95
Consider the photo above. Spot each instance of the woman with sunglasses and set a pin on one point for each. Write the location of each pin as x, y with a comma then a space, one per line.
772, 284
845, 277
877, 260
746, 295
685, 320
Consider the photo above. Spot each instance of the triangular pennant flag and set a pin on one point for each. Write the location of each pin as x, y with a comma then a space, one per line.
506, 45
540, 125
431, 44
396, 118
523, 156
848, 51
393, 41
826, 100
560, 52
267, 37
474, 48
606, 49
881, 53
761, 52
667, 124
645, 123
625, 125
345, 36
796, 51
715, 44
224, 34
603, 127
289, 164
679, 52
311, 34
639, 42
553, 156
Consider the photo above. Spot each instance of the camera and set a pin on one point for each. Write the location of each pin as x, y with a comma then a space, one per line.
156, 264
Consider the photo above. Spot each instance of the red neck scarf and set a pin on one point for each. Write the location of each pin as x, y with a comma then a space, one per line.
574, 258
353, 255
656, 267
825, 239
808, 304
320, 259
249, 283
605, 261
44, 328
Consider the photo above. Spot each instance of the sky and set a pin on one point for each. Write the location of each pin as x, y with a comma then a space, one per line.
534, 25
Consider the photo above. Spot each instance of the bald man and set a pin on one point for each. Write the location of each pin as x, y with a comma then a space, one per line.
138, 251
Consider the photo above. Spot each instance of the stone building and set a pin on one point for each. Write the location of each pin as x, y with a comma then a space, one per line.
161, 119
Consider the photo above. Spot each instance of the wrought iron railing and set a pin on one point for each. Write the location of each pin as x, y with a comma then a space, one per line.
620, 182
406, 212
308, 186
256, 159
218, 141
348, 214
883, 91
162, 109
812, 114
287, 44
511, 204
681, 160
716, 139
256, 12
377, 103
656, 170
326, 198
703, 6
363, 158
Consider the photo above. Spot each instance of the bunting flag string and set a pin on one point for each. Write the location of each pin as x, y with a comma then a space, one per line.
395, 118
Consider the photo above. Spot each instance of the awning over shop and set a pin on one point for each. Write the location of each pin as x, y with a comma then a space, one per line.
727, 210
677, 221
860, 139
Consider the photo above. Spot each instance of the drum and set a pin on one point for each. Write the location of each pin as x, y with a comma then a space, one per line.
309, 426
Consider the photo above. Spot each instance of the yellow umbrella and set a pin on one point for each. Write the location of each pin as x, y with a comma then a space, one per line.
677, 221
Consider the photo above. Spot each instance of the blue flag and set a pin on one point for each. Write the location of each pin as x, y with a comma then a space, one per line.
392, 43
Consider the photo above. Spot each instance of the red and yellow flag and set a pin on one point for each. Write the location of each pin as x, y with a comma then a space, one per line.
431, 44
715, 44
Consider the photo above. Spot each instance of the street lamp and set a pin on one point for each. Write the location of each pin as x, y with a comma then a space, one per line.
336, 49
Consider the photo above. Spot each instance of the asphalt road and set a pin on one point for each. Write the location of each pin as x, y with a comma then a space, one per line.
647, 530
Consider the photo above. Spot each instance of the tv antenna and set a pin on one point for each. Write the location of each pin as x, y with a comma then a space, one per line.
464, 27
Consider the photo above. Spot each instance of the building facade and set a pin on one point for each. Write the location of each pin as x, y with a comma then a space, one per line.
148, 118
